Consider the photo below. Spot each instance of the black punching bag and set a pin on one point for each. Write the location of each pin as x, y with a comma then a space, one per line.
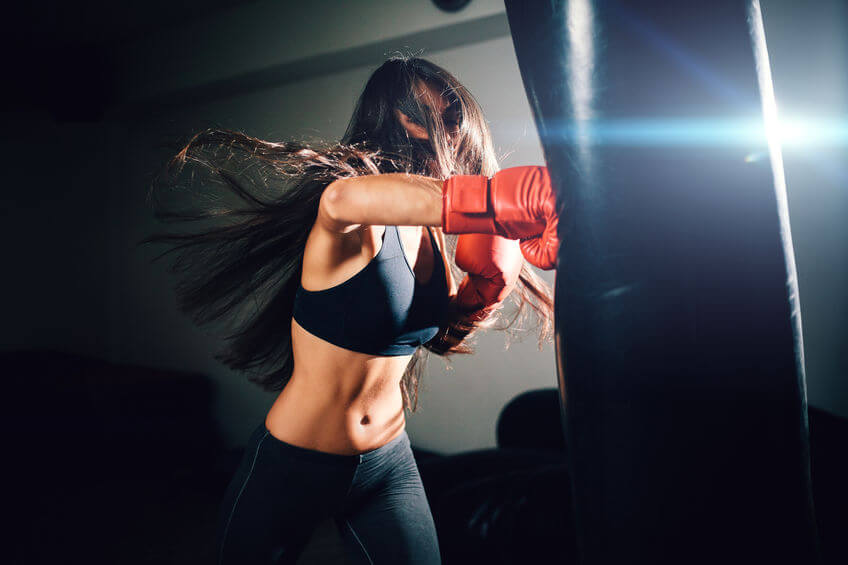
678, 334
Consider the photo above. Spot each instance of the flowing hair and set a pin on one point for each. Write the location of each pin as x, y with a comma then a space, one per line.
243, 268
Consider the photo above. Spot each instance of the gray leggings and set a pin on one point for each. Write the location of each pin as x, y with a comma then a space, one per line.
281, 492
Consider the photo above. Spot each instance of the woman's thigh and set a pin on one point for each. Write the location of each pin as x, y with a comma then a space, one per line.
275, 500
391, 523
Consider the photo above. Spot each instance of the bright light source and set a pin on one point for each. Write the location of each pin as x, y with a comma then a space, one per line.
807, 132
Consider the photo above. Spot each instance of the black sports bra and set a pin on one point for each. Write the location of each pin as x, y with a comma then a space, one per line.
382, 309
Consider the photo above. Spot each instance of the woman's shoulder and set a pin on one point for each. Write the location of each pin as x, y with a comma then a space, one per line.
330, 257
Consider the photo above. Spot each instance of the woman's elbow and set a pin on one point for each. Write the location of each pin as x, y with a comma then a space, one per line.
335, 205
331, 199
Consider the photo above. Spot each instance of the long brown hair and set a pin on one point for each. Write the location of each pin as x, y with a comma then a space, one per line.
244, 268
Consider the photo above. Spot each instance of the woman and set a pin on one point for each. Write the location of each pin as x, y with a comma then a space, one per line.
337, 284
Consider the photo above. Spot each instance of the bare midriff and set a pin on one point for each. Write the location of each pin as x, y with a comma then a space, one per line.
337, 400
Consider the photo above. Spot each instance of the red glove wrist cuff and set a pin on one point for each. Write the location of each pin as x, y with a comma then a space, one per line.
465, 205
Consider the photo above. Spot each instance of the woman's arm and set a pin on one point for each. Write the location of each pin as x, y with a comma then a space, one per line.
397, 199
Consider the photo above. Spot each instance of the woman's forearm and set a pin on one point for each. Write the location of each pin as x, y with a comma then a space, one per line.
388, 199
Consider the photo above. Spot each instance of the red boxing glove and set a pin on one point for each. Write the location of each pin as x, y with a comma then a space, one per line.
516, 203
493, 264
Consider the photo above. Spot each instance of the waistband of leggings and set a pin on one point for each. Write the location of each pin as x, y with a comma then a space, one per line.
334, 458
398, 442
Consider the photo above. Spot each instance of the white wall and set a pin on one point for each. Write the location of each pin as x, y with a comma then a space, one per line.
268, 33
808, 49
